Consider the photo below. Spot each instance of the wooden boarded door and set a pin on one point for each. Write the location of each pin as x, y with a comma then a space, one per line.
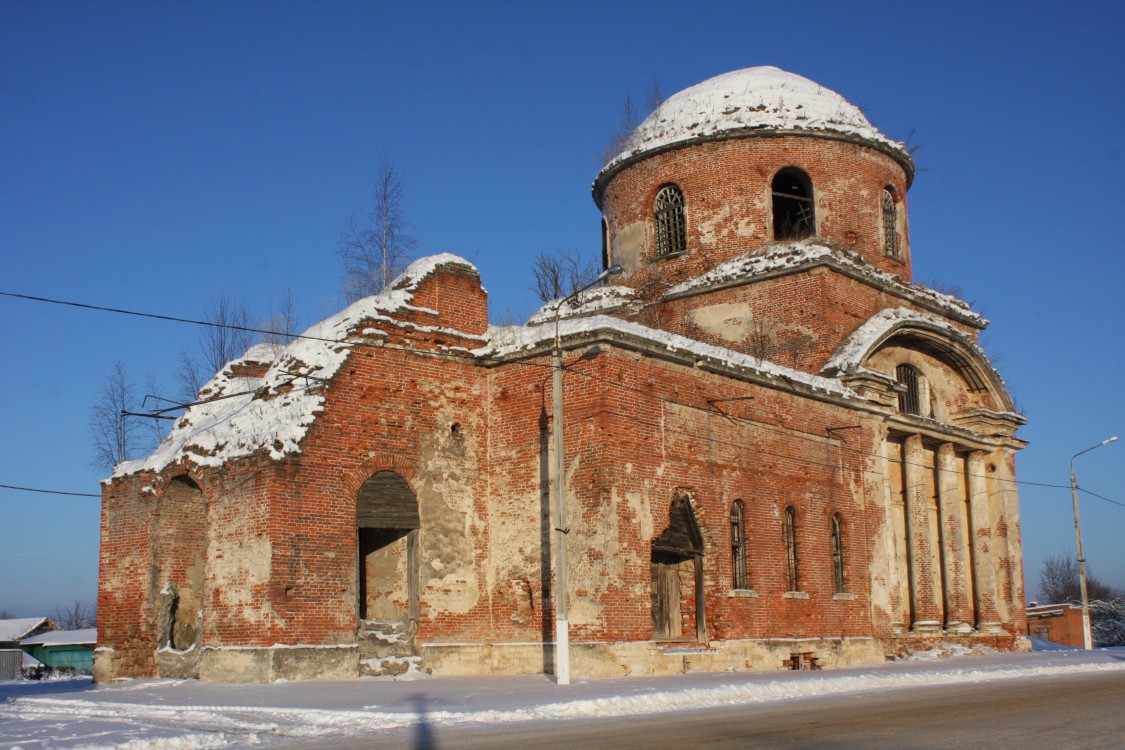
667, 614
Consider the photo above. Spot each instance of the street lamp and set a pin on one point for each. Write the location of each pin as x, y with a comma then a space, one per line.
562, 623
1087, 636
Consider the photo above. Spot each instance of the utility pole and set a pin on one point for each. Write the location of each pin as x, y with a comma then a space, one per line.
562, 621
1087, 634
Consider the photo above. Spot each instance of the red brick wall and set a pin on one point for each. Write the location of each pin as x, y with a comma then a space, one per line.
638, 429
1066, 630
728, 204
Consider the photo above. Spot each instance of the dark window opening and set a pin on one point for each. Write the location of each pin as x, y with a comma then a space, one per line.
740, 579
890, 225
671, 232
789, 531
605, 245
838, 555
794, 217
909, 400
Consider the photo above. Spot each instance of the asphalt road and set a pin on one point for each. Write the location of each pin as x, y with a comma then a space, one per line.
1084, 711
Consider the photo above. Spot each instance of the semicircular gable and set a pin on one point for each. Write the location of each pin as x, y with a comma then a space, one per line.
925, 333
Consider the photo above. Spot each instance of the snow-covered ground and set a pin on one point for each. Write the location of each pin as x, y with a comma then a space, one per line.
176, 714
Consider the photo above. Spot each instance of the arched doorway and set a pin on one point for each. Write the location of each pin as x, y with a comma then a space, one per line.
179, 576
387, 522
677, 563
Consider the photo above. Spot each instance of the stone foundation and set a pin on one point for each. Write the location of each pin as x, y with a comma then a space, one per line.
233, 664
649, 658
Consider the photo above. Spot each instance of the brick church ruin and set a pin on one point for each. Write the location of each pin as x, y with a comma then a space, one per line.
778, 451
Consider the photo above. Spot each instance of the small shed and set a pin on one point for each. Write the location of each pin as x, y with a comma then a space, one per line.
14, 631
66, 650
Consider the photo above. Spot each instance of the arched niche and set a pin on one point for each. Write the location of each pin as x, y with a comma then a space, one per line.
927, 336
677, 554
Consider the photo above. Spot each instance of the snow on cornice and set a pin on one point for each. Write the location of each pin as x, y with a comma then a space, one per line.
601, 299
510, 341
790, 256
762, 98
239, 415
850, 356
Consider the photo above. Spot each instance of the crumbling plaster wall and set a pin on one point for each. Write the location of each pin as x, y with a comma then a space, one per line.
797, 319
637, 430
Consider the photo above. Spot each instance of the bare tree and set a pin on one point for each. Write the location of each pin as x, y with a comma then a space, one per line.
561, 273
1107, 622
1059, 582
77, 617
619, 137
115, 437
6, 615
631, 117
282, 323
228, 336
376, 244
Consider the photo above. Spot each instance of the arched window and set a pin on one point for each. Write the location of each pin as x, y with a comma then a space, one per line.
740, 579
794, 216
890, 225
909, 400
792, 568
838, 556
668, 212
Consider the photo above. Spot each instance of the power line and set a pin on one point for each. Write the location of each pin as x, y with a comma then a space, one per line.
47, 492
486, 358
1101, 497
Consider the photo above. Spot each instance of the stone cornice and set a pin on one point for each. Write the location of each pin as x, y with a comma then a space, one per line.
846, 267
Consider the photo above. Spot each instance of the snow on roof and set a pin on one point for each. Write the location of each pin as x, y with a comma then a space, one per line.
239, 415
511, 340
597, 299
14, 630
760, 98
792, 255
83, 637
869, 335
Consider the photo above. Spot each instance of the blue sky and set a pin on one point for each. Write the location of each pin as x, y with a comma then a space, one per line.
156, 155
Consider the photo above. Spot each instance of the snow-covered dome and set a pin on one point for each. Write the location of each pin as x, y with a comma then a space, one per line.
761, 98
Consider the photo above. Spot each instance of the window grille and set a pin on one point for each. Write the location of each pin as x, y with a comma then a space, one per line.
794, 216
738, 547
838, 555
910, 400
890, 226
671, 232
789, 530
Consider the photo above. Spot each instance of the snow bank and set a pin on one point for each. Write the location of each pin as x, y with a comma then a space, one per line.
148, 715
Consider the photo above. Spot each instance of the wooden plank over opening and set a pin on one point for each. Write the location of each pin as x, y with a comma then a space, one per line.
385, 501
